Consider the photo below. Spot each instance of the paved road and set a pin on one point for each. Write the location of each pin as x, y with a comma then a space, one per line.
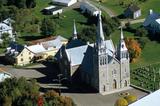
95, 99
105, 9
132, 21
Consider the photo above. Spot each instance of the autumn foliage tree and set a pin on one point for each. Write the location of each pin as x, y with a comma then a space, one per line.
133, 48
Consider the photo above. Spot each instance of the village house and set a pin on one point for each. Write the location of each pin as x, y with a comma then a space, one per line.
64, 2
38, 50
99, 64
152, 22
52, 10
6, 27
133, 12
86, 7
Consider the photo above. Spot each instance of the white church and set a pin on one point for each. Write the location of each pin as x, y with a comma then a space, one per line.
100, 64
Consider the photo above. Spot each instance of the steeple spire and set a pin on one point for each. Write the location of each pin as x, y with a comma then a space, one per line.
74, 31
122, 51
100, 34
122, 37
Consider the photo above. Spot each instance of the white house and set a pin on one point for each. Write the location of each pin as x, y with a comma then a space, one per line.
65, 2
89, 8
52, 10
5, 27
149, 100
133, 11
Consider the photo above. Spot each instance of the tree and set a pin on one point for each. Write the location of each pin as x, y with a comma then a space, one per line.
141, 32
5, 40
7, 101
131, 98
133, 48
48, 27
88, 34
142, 41
121, 102
3, 2
20, 3
30, 3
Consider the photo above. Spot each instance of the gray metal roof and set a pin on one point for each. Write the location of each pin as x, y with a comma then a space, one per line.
151, 18
76, 55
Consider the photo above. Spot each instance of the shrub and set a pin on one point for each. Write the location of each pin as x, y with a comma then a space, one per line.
131, 98
121, 102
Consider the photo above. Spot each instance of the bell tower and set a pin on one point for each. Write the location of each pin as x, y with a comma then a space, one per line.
100, 58
123, 57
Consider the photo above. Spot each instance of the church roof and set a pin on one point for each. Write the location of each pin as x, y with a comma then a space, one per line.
87, 63
74, 43
75, 55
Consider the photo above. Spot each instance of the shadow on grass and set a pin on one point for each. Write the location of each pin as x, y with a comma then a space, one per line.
90, 19
30, 38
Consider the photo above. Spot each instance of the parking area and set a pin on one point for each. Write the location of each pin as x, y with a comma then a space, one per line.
95, 99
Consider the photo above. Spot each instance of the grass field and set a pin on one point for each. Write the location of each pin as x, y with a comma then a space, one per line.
145, 7
150, 54
65, 23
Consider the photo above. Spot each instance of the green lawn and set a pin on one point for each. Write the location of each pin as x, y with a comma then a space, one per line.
145, 7
41, 4
65, 27
113, 5
150, 54
150, 4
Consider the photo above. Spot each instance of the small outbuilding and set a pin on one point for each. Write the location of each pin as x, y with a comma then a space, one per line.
52, 10
86, 7
133, 11
64, 2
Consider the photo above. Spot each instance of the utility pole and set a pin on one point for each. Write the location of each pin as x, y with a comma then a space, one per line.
59, 80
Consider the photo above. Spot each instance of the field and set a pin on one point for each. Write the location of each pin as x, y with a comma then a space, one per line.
65, 23
145, 7
150, 54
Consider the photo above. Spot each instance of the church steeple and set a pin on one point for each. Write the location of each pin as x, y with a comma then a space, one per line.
122, 51
122, 37
100, 34
74, 31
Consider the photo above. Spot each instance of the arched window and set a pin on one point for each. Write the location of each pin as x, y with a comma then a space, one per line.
104, 88
125, 83
114, 84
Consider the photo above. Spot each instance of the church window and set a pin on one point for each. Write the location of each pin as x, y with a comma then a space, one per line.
115, 72
104, 88
125, 83
125, 70
114, 84
122, 46
105, 61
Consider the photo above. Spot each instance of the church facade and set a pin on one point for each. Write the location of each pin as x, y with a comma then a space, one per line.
98, 64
